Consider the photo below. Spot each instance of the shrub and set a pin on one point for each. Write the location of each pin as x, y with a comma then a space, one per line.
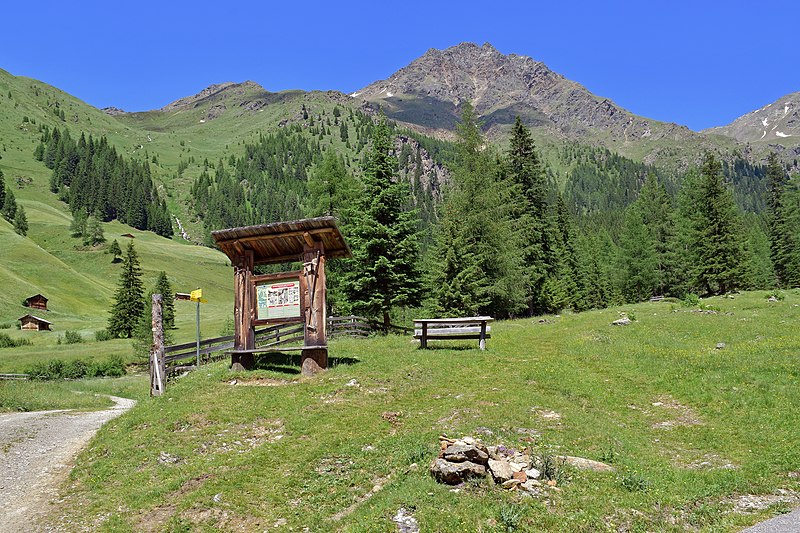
635, 482
690, 300
775, 293
113, 367
102, 335
6, 325
8, 342
510, 516
72, 337
76, 369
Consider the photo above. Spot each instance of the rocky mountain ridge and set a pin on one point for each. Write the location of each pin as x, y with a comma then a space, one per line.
502, 86
776, 126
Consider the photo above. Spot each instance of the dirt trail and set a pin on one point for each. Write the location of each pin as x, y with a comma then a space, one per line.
36, 454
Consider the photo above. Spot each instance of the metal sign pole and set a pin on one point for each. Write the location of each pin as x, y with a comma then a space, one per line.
198, 334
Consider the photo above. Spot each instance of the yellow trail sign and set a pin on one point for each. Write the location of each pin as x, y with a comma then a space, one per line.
197, 296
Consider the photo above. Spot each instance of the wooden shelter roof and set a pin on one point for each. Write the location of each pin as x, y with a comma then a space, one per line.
42, 296
282, 242
36, 318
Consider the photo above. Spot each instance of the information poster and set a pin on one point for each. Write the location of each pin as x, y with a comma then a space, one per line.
278, 299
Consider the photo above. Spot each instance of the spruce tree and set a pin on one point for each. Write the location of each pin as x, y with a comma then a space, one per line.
129, 302
527, 172
780, 238
477, 222
638, 257
720, 248
164, 288
384, 273
9, 207
21, 221
115, 250
2, 189
93, 233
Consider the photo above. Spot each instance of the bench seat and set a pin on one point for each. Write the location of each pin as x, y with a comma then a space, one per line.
453, 329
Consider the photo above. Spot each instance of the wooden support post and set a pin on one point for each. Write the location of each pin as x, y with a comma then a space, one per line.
312, 286
423, 342
158, 368
243, 311
482, 342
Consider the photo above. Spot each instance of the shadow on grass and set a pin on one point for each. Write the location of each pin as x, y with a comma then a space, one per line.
290, 363
449, 347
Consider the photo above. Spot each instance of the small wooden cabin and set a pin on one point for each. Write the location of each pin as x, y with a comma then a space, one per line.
37, 301
30, 322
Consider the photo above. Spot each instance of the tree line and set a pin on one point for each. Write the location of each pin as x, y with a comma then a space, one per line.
95, 180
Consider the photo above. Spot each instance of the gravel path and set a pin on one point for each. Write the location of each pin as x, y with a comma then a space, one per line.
786, 523
36, 454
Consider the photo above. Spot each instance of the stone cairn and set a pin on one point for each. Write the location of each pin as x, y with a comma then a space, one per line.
466, 458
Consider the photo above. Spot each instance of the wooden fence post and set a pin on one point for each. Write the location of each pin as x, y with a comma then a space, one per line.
158, 368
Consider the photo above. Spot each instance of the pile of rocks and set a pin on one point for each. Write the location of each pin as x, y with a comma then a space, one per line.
466, 458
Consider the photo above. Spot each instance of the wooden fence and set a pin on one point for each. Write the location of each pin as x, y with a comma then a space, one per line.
182, 357
14, 376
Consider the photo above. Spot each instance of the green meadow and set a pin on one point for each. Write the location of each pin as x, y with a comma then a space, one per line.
693, 407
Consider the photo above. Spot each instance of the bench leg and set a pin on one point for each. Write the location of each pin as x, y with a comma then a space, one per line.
482, 343
423, 342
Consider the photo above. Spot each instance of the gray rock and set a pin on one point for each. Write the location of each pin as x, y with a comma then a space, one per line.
501, 470
455, 473
720, 346
624, 321
458, 453
586, 464
533, 473
406, 523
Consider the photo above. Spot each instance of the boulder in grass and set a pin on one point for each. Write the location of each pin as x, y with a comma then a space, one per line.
455, 473
501, 470
458, 453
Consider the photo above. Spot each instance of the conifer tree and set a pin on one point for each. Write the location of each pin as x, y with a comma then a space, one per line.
93, 233
2, 190
115, 250
129, 302
78, 225
527, 172
720, 247
638, 257
332, 191
780, 238
164, 288
477, 224
9, 207
21, 221
384, 272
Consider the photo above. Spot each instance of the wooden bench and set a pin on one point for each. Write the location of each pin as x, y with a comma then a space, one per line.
474, 327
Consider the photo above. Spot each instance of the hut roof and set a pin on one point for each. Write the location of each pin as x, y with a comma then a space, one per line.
282, 242
35, 318
42, 296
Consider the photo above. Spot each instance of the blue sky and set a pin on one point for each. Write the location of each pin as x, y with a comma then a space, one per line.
697, 63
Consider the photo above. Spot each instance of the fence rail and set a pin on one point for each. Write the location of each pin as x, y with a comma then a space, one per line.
177, 355
15, 376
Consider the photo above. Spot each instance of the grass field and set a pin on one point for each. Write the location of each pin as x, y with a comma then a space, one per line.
694, 432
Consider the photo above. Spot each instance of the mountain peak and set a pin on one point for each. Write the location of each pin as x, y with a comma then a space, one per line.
430, 90
778, 122
211, 91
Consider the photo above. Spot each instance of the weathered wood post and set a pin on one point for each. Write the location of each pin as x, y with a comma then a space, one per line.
482, 342
243, 309
312, 285
158, 367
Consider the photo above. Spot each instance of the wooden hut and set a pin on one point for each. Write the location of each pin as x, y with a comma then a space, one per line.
37, 301
35, 323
